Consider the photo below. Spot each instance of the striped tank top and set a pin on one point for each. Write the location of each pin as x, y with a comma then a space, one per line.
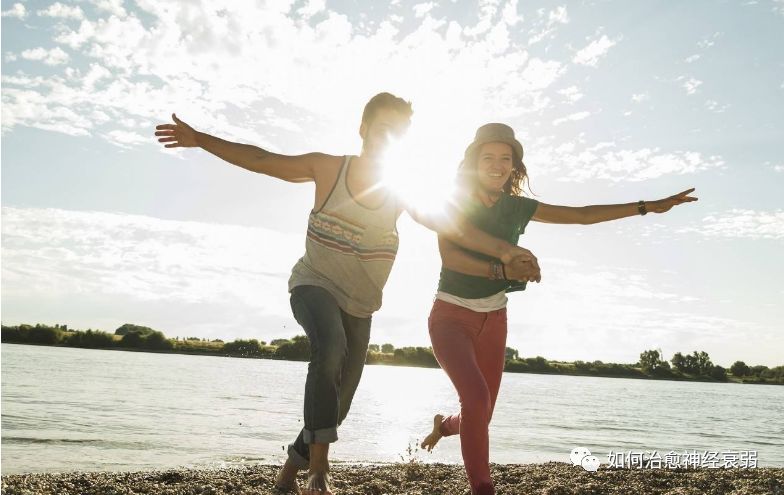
349, 249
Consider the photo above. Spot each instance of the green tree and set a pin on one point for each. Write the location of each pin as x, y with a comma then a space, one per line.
651, 361
130, 327
42, 334
297, 349
703, 364
538, 363
132, 339
12, 334
279, 342
157, 341
387, 348
512, 354
739, 368
679, 362
90, 339
417, 356
374, 348
718, 373
245, 348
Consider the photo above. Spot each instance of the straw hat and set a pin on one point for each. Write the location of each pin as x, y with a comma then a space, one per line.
494, 133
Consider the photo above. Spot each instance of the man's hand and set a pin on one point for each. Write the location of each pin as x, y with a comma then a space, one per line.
178, 135
664, 205
521, 263
518, 252
523, 270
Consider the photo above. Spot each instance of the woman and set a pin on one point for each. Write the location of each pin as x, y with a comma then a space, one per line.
468, 321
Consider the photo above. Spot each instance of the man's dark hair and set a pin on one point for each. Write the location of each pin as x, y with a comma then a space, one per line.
385, 100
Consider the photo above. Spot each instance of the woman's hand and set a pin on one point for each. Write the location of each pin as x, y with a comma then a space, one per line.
178, 135
664, 205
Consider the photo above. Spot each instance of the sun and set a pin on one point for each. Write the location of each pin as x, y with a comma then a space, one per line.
420, 170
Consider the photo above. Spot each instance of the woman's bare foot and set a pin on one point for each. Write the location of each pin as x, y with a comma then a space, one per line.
286, 481
318, 484
432, 439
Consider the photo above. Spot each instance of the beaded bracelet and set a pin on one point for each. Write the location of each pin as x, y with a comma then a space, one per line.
497, 271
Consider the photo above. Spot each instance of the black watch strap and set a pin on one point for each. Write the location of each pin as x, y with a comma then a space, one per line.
641, 207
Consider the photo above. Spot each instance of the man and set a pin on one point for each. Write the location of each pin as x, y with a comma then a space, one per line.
350, 248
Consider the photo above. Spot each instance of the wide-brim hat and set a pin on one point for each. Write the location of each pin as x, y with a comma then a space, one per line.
494, 133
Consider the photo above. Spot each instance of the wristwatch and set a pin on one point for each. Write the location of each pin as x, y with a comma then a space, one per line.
641, 207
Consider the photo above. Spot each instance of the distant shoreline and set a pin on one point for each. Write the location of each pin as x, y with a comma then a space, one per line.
381, 362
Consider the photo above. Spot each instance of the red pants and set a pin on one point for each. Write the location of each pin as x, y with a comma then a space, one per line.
471, 347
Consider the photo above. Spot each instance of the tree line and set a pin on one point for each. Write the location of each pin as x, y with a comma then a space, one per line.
651, 364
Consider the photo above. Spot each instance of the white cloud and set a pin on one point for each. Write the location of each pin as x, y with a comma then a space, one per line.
55, 56
125, 138
312, 8
741, 223
715, 107
709, 41
75, 39
167, 59
691, 85
779, 167
546, 28
571, 163
164, 270
572, 93
778, 7
421, 9
24, 80
96, 73
693, 58
113, 7
640, 97
510, 14
17, 10
59, 10
573, 117
595, 50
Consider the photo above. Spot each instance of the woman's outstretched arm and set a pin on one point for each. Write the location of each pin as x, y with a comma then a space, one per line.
586, 215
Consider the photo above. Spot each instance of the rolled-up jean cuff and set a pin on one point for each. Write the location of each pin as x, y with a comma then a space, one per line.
296, 458
324, 435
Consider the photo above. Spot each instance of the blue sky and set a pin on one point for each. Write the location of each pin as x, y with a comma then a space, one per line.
614, 102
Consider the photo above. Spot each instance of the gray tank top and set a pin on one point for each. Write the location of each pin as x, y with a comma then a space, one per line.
349, 249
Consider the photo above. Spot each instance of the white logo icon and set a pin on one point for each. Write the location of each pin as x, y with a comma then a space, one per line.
590, 463
580, 456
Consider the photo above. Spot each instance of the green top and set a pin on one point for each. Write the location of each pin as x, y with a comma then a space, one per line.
506, 220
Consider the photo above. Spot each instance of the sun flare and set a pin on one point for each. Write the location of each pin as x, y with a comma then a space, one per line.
420, 171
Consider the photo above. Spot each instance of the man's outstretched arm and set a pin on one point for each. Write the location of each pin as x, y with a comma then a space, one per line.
459, 260
453, 225
300, 168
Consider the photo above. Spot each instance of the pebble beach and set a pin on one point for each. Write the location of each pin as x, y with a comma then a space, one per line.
552, 478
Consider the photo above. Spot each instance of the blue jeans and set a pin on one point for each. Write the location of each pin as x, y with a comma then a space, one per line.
338, 348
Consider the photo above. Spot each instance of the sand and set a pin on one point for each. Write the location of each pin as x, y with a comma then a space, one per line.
552, 478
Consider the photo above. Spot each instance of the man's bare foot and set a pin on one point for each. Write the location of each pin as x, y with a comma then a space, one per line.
432, 439
318, 484
286, 481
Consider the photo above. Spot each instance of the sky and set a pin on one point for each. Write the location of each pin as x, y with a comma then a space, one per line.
614, 101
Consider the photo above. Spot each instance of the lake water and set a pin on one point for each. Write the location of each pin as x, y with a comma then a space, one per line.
66, 409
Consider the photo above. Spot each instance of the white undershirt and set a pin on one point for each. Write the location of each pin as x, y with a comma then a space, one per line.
480, 305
